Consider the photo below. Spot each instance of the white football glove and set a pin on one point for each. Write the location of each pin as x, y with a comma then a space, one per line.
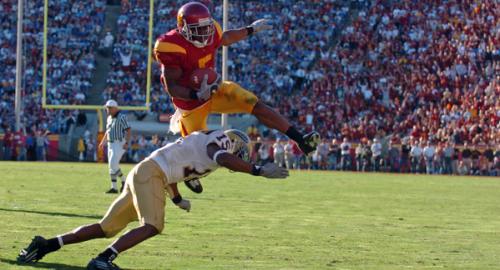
184, 204
271, 170
206, 89
261, 24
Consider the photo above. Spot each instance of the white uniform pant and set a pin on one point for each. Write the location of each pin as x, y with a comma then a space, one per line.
115, 153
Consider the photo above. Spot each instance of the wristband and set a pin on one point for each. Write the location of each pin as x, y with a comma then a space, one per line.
255, 170
193, 94
249, 30
177, 199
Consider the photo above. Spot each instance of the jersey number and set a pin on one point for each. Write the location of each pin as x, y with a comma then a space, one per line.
202, 63
224, 142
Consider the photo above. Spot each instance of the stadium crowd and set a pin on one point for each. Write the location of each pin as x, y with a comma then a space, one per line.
72, 38
426, 69
401, 72
382, 155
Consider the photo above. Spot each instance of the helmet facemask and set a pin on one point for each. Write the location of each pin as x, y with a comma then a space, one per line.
200, 34
241, 150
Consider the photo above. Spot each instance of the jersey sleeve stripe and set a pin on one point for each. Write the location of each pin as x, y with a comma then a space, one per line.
219, 29
167, 47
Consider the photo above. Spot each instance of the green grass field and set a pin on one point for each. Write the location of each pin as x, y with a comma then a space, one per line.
312, 220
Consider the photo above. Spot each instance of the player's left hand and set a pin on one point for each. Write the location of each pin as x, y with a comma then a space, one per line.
206, 89
261, 24
125, 146
272, 170
184, 204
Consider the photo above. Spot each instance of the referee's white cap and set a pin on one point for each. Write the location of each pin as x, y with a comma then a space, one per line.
111, 103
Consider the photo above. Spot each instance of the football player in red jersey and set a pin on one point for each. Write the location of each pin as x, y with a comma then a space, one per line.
193, 45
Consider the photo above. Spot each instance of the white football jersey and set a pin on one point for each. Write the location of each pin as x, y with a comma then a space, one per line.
187, 158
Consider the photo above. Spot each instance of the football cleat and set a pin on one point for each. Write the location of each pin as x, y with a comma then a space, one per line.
100, 263
194, 185
34, 252
111, 191
311, 141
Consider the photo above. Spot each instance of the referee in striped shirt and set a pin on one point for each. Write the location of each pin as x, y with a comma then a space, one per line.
118, 137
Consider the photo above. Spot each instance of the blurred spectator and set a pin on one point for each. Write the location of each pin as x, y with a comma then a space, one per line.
30, 147
367, 156
334, 155
90, 149
289, 156
255, 150
279, 153
454, 160
297, 155
462, 168
475, 161
106, 44
360, 155
394, 157
405, 156
322, 152
7, 144
467, 158
447, 158
19, 146
345, 150
376, 150
264, 153
41, 145
415, 157
429, 152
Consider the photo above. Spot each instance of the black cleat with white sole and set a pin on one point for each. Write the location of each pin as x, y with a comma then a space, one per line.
194, 185
34, 252
311, 142
100, 263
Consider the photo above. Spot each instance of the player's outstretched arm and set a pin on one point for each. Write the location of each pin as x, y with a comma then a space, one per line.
234, 163
234, 35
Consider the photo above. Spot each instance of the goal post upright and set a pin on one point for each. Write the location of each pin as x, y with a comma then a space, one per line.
225, 7
19, 64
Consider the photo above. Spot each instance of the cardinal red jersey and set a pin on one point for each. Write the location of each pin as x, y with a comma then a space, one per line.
173, 50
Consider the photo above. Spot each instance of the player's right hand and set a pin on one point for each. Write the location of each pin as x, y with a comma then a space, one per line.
206, 89
271, 170
184, 204
261, 24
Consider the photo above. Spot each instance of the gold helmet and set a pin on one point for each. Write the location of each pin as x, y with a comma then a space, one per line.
239, 143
